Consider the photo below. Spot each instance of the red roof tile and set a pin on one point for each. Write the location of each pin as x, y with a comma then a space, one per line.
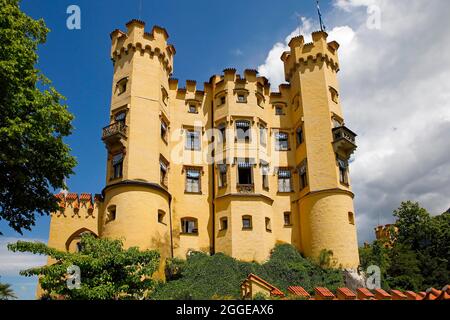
323, 293
345, 294
380, 294
72, 196
298, 291
432, 294
274, 290
398, 295
412, 295
85, 197
364, 294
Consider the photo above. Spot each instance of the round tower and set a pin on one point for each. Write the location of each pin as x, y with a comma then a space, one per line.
136, 198
325, 202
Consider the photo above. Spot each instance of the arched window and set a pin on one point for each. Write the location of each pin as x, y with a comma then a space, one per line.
73, 243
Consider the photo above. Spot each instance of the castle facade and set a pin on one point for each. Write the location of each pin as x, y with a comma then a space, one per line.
230, 166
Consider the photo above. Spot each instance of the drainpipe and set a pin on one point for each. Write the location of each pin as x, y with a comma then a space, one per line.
213, 182
170, 223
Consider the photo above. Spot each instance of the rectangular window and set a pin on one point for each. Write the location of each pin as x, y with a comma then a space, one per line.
193, 181
222, 175
284, 180
117, 165
351, 218
223, 134
193, 108
282, 141
163, 173
287, 219
279, 111
163, 130
241, 98
243, 130
263, 135
299, 134
268, 225
265, 176
161, 217
120, 117
189, 226
223, 224
223, 100
245, 176
302, 171
246, 222
193, 140
343, 170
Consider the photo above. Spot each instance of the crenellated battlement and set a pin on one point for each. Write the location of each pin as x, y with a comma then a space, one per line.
302, 53
152, 43
189, 92
78, 205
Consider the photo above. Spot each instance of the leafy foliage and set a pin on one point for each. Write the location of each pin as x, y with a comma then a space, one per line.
107, 270
419, 257
6, 293
33, 123
206, 277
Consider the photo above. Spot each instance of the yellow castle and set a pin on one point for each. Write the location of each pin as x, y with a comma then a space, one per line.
232, 168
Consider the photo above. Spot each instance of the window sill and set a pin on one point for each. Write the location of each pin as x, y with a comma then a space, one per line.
247, 229
345, 184
269, 231
163, 223
189, 234
193, 193
288, 225
283, 150
286, 192
115, 179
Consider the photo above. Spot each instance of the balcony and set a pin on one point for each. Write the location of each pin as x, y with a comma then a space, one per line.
344, 142
114, 134
245, 188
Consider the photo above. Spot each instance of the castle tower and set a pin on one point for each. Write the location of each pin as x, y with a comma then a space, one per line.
136, 195
325, 201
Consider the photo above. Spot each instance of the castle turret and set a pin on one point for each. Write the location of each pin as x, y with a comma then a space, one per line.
324, 146
136, 197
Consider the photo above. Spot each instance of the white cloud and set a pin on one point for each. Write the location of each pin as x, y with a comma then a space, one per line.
395, 93
11, 263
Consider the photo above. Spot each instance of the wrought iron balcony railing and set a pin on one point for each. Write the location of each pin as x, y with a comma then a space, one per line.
245, 188
115, 135
117, 128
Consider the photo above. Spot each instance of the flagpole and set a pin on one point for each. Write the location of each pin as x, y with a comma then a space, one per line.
322, 26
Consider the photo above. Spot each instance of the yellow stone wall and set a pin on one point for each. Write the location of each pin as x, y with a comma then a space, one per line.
319, 213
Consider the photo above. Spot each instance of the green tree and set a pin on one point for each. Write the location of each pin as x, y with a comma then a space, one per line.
33, 157
6, 293
107, 270
404, 270
417, 256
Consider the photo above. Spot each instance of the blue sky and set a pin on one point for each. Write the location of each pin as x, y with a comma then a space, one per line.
394, 87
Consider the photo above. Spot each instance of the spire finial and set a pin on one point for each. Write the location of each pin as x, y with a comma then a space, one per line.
322, 26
